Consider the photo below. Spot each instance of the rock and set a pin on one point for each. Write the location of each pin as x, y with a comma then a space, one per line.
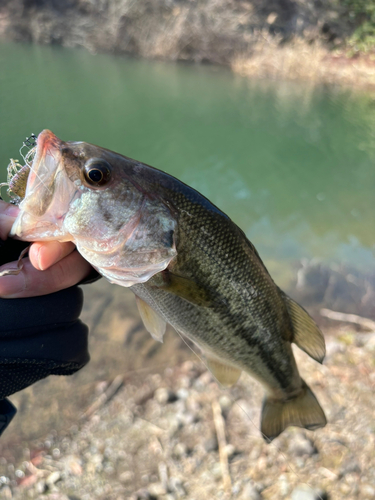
156, 489
211, 444
236, 488
40, 487
367, 491
164, 396
284, 485
73, 465
225, 404
127, 476
250, 493
333, 347
143, 495
169, 496
180, 450
216, 471
304, 492
301, 445
312, 280
6, 492
182, 393
231, 451
53, 478
186, 418
350, 466
175, 485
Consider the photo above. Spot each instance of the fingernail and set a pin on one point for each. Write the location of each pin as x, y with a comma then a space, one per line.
12, 285
39, 258
12, 211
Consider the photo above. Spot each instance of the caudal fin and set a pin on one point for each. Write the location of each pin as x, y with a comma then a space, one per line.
302, 411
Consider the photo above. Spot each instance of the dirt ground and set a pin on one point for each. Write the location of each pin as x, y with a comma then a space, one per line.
147, 421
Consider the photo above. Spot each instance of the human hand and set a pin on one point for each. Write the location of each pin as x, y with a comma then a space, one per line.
50, 267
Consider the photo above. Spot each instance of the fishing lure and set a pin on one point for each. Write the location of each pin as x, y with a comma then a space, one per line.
16, 182
17, 174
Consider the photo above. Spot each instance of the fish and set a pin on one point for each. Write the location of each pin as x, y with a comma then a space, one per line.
187, 263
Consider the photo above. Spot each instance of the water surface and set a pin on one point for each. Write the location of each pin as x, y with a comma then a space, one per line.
293, 165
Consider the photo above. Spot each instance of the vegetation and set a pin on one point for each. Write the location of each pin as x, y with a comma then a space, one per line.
330, 41
362, 14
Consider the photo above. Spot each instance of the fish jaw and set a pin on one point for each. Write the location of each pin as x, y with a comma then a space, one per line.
49, 193
124, 232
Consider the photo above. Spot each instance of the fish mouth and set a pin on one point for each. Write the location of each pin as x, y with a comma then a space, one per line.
48, 193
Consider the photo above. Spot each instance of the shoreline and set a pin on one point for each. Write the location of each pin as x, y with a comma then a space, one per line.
299, 62
279, 40
313, 64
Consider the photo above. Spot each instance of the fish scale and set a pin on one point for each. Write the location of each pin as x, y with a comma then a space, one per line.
217, 266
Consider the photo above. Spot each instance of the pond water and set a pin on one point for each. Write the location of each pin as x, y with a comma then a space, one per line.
292, 165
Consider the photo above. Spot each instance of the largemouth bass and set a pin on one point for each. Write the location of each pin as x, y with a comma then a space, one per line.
187, 263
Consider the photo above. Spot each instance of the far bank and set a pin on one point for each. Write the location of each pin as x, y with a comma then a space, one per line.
328, 42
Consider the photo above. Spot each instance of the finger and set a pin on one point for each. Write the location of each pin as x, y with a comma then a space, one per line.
8, 214
46, 254
30, 282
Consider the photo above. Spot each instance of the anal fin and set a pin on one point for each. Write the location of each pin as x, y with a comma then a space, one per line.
154, 324
306, 333
225, 374
303, 411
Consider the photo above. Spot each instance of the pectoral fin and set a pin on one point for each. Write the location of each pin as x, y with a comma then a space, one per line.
185, 288
306, 334
154, 324
225, 374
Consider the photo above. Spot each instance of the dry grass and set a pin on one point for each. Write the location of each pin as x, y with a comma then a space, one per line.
299, 60
288, 40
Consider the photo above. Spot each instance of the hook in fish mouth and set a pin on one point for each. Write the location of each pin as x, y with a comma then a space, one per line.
30, 142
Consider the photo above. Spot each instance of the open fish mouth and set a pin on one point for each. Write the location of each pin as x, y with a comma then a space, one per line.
48, 193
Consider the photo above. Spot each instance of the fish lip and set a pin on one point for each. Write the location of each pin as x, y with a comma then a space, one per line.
44, 143
48, 148
40, 217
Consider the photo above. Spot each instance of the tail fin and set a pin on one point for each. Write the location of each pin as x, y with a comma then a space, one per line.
302, 411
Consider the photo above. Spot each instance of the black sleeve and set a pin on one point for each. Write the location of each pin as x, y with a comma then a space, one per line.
39, 336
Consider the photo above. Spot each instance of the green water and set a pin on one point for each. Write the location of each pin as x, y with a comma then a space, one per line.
293, 165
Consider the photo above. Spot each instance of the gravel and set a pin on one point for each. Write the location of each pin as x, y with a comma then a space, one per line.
156, 439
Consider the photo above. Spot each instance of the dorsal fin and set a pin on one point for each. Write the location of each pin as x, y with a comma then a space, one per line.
154, 324
225, 374
306, 333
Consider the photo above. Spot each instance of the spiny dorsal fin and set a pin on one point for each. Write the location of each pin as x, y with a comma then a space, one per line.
225, 374
302, 411
154, 324
306, 334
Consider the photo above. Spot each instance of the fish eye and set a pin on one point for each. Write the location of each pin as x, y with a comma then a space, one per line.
97, 172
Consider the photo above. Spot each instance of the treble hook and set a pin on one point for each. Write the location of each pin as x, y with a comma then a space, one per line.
30, 141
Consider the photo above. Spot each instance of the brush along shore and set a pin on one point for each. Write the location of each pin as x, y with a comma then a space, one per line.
319, 42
